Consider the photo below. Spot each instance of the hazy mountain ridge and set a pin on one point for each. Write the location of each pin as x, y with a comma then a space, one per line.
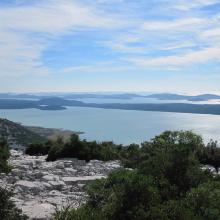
56, 103
159, 96
170, 96
61, 101
70, 95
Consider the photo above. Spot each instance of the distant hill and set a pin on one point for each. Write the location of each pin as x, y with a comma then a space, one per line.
18, 96
18, 133
69, 96
167, 107
170, 96
167, 96
56, 101
53, 133
103, 96
53, 103
61, 104
122, 96
204, 97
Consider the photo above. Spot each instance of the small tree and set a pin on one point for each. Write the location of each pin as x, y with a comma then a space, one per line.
8, 211
124, 195
4, 155
211, 155
204, 200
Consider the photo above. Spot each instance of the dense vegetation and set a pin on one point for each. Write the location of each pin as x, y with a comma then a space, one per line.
167, 182
8, 211
131, 156
77, 148
167, 179
39, 148
211, 155
4, 155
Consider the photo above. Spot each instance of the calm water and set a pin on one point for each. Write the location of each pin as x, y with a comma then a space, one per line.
120, 126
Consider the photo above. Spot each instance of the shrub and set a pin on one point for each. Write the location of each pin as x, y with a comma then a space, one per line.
8, 211
4, 156
204, 200
84, 150
38, 148
167, 183
211, 155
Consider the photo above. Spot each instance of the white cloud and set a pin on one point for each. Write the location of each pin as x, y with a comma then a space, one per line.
201, 56
170, 44
211, 33
27, 31
185, 5
53, 17
158, 35
177, 45
123, 47
105, 67
184, 24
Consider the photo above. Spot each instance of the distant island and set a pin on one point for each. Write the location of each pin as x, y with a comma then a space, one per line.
170, 96
57, 103
122, 96
71, 96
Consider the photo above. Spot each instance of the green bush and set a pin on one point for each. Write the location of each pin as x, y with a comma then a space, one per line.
84, 150
171, 159
8, 211
211, 155
38, 148
124, 195
4, 156
83, 213
204, 200
167, 183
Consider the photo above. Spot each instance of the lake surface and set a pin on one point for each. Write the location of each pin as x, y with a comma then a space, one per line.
120, 126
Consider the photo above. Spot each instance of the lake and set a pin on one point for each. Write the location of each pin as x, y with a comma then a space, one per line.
120, 126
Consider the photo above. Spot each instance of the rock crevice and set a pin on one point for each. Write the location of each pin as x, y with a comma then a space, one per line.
40, 187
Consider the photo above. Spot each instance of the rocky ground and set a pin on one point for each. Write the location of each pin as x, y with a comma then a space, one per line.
41, 186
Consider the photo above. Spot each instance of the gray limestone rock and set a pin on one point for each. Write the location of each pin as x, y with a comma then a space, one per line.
40, 186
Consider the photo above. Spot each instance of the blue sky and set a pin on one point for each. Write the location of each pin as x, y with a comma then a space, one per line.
110, 45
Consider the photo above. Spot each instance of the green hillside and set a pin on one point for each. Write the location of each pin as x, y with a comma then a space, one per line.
21, 134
